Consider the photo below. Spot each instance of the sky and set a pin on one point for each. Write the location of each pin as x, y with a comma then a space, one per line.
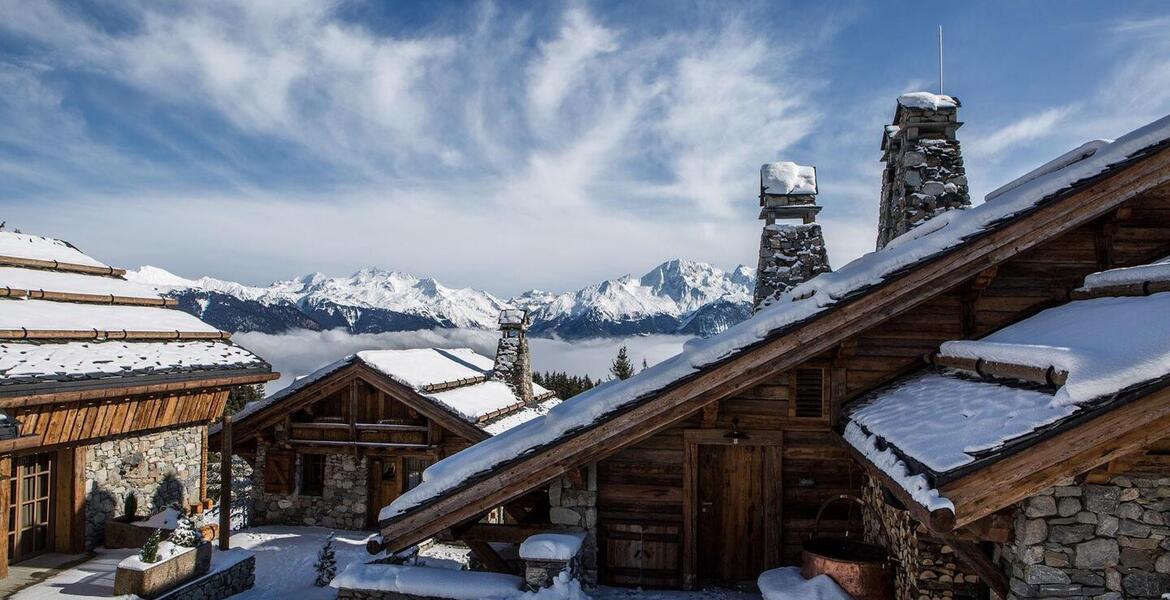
508, 146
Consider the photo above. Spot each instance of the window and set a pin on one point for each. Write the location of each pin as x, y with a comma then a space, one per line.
809, 397
278, 472
312, 474
414, 468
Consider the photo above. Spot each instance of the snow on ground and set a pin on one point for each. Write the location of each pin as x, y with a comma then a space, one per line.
285, 557
91, 579
799, 304
787, 584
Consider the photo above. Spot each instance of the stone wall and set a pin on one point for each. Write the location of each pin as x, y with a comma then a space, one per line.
789, 255
162, 469
1104, 542
571, 506
221, 584
341, 505
926, 568
924, 174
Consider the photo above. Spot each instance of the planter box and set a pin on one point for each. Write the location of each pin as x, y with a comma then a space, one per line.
121, 533
154, 579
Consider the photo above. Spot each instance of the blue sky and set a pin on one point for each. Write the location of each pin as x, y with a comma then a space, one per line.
515, 145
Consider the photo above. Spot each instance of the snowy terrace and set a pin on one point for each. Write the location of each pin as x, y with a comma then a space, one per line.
1103, 348
456, 380
802, 303
284, 570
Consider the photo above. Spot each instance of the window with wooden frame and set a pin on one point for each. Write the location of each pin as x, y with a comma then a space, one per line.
809, 392
278, 472
312, 474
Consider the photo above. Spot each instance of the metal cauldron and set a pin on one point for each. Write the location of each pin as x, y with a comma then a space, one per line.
863, 570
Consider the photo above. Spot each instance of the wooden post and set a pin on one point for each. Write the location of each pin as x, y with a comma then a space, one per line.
5, 474
225, 485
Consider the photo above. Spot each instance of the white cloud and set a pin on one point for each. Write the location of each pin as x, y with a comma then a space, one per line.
1027, 129
564, 61
299, 353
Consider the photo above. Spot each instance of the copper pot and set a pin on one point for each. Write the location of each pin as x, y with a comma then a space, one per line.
863, 570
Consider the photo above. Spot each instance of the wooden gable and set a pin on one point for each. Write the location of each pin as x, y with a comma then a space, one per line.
357, 407
1014, 270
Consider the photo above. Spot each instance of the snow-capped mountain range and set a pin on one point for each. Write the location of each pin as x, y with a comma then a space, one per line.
677, 296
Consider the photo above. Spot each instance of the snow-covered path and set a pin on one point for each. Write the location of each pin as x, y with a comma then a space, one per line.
284, 569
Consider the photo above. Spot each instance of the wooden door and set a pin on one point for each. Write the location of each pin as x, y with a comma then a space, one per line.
732, 494
30, 507
385, 485
731, 513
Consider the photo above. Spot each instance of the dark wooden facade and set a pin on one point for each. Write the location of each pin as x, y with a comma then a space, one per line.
357, 411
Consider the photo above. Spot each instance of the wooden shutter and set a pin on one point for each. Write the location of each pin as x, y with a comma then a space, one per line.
278, 472
808, 399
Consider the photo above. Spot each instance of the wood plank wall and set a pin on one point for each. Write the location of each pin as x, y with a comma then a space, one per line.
640, 504
73, 422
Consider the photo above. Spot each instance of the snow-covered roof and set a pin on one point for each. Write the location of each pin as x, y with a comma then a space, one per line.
927, 100
1075, 155
797, 305
945, 421
457, 379
27, 362
47, 315
74, 283
428, 582
788, 178
120, 311
35, 247
1156, 271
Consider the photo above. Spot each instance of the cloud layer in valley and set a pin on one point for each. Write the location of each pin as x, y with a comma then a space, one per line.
299, 353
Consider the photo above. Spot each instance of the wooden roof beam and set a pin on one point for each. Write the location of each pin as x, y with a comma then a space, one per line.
53, 265
988, 368
108, 299
100, 334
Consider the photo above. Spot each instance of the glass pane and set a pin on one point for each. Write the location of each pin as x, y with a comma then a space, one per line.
26, 517
43, 511
26, 492
43, 485
40, 538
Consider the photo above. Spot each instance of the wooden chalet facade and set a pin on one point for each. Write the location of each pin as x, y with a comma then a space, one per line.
341, 443
110, 390
711, 467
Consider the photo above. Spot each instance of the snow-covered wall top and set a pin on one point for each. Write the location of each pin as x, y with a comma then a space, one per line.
1105, 344
45, 315
799, 304
26, 361
1158, 271
788, 178
927, 100
20, 245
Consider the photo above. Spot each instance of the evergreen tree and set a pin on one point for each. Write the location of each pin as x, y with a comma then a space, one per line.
326, 565
185, 534
241, 395
149, 552
621, 368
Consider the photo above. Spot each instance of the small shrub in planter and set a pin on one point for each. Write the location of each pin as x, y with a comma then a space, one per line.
149, 552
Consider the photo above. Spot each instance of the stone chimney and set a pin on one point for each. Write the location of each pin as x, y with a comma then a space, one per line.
513, 363
924, 175
789, 254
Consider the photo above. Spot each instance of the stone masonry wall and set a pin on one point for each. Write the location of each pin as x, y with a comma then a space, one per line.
222, 584
161, 469
1103, 542
789, 255
573, 507
926, 568
924, 174
341, 505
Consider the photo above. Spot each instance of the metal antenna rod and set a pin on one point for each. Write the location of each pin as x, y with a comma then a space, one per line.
940, 61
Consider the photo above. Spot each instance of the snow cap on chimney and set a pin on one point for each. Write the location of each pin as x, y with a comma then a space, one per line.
789, 254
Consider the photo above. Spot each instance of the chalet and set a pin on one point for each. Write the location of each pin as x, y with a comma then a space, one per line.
711, 466
106, 391
340, 443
